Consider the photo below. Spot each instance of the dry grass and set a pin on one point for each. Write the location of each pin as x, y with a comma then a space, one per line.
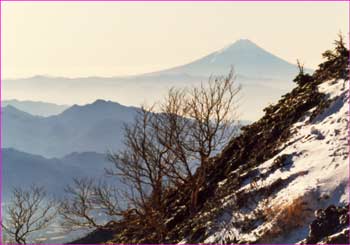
285, 217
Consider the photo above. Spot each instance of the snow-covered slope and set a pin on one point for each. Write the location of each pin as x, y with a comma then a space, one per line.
315, 161
284, 179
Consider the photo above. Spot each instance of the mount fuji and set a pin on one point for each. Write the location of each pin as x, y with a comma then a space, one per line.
264, 78
248, 59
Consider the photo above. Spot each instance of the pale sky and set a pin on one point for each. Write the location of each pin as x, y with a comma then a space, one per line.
120, 38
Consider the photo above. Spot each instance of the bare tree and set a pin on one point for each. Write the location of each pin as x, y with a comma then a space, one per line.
194, 124
85, 199
164, 148
29, 211
107, 199
141, 165
213, 111
78, 209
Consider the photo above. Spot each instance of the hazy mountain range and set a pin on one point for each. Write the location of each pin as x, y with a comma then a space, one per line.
94, 127
23, 169
263, 76
37, 108
39, 131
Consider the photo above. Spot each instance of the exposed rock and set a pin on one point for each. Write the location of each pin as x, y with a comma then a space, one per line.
329, 221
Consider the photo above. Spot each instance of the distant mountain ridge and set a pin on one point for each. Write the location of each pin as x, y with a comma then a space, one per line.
99, 108
263, 76
35, 107
53, 173
96, 127
246, 56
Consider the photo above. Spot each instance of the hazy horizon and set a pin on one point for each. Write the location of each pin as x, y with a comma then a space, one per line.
146, 72
105, 39
97, 41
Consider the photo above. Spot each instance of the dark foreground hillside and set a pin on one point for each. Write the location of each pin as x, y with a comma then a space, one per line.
283, 180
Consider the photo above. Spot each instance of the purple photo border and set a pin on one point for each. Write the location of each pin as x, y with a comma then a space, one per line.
174, 0
1, 92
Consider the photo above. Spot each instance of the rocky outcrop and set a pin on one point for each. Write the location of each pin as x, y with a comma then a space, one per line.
331, 226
